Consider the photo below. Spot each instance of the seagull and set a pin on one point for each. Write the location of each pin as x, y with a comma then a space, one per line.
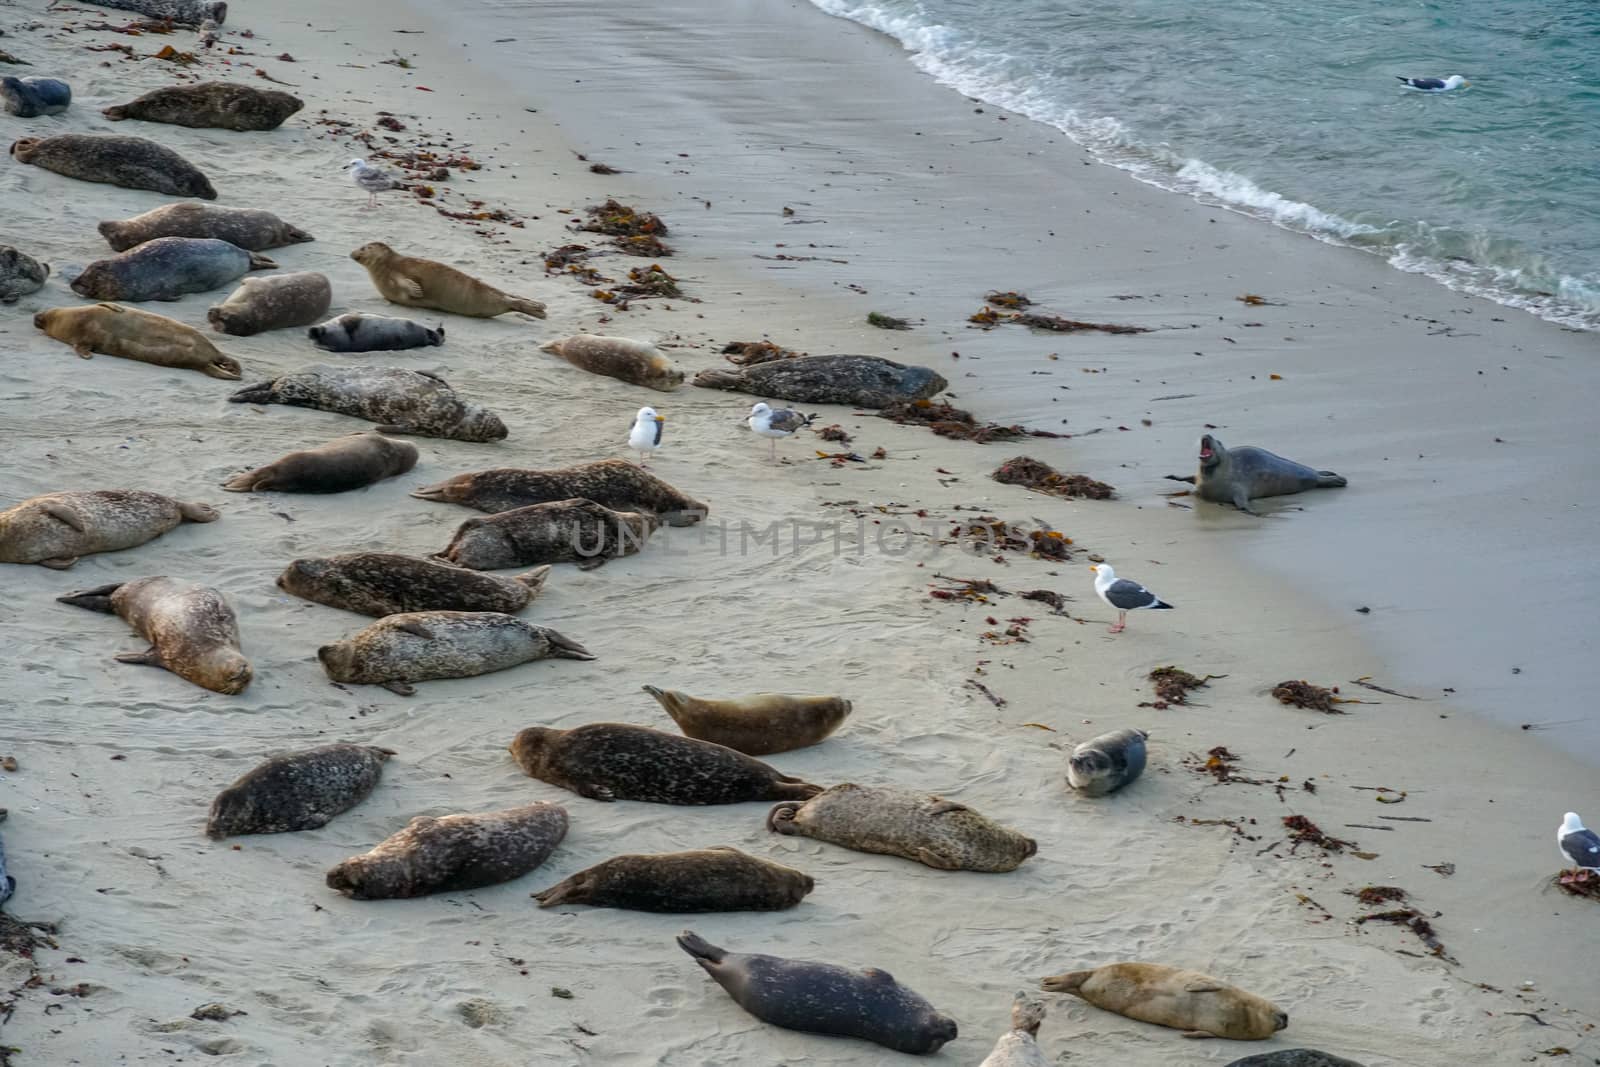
775, 424
370, 178
1580, 847
1124, 595
1437, 85
646, 435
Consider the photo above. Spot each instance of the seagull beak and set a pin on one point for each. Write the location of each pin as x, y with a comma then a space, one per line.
661, 418
1466, 85
1094, 566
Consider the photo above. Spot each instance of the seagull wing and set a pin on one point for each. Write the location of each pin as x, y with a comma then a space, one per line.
788, 420
1582, 848
1426, 83
1126, 596
658, 425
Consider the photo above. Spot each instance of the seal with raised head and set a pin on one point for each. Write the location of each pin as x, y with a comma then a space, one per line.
1019, 1047
422, 283
297, 791
377, 584
253, 231
55, 529
20, 274
1106, 763
1239, 475
211, 105
401, 401
182, 12
614, 483
373, 333
28, 98
860, 381
453, 852
131, 162
822, 998
167, 268
706, 879
1195, 1003
348, 462
755, 725
615, 761
191, 629
562, 531
1295, 1057
634, 362
142, 336
419, 646
936, 832
277, 302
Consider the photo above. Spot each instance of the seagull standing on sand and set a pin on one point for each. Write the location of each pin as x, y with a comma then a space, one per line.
1124, 595
370, 179
646, 435
772, 425
1436, 85
1580, 846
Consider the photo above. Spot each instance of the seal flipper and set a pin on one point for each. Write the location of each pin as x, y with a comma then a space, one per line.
565, 647
416, 629
929, 858
58, 563
148, 658
83, 350
594, 792
1070, 982
96, 599
412, 287
562, 892
259, 393
65, 515
702, 950
1241, 500
198, 512
527, 307
534, 579
1330, 480
399, 688
261, 262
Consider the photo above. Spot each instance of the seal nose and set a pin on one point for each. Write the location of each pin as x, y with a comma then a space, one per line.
1282, 1019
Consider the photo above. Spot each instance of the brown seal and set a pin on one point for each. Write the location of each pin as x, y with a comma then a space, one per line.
755, 725
634, 362
143, 336
211, 105
349, 462
377, 584
297, 791
131, 162
422, 645
399, 400
191, 629
860, 381
1195, 1003
55, 529
614, 483
562, 531
707, 879
276, 302
253, 231
422, 283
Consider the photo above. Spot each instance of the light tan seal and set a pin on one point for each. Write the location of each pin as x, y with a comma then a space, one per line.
1198, 1004
191, 629
349, 462
422, 283
275, 302
254, 231
143, 336
755, 725
211, 105
422, 645
55, 529
634, 362
1019, 1046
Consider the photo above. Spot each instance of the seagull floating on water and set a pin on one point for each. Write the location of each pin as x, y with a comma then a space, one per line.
770, 424
646, 435
1124, 595
1580, 846
1436, 85
371, 179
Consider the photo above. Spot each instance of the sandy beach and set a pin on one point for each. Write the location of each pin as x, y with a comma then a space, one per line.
1465, 530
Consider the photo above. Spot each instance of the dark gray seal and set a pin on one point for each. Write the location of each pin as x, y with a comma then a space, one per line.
211, 105
131, 162
276, 302
168, 268
28, 98
349, 462
1107, 763
1239, 475
614, 483
182, 12
55, 529
401, 401
860, 381
452, 853
8, 884
253, 231
562, 531
373, 333
422, 645
191, 629
1294, 1057
707, 879
821, 998
297, 791
614, 761
377, 584
20, 274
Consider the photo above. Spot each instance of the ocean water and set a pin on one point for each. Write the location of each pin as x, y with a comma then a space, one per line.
1292, 112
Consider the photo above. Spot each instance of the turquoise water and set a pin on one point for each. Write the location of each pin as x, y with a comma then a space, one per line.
1292, 112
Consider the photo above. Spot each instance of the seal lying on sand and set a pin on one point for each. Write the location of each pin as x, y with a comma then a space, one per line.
1239, 475
562, 531
452, 853
1107, 763
349, 462
142, 336
28, 98
402, 401
634, 362
1294, 1057
1019, 1047
55, 529
422, 645
219, 105
167, 268
191, 629
277, 302
20, 274
820, 998
707, 879
253, 231
860, 381
931, 830
756, 725
1195, 1003
182, 12
376, 584
422, 283
614, 483
297, 791
131, 162
373, 333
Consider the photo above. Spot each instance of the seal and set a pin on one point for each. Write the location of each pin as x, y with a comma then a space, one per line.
933, 831
349, 462
167, 268
1195, 1003
401, 401
634, 362
8, 884
755, 725
191, 629
418, 646
452, 853
614, 761
277, 302
142, 336
422, 283
707, 879
562, 531
182, 12
1107, 763
1019, 1047
55, 529
211, 105
821, 998
1239, 475
253, 231
377, 584
373, 333
860, 381
614, 483
20, 274
1294, 1057
131, 162
28, 98
297, 791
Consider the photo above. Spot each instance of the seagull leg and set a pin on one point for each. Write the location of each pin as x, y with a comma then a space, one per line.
1122, 623
772, 442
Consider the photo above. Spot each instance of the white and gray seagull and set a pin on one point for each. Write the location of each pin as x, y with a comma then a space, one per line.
785, 422
646, 434
372, 179
1124, 595
1436, 85
1580, 846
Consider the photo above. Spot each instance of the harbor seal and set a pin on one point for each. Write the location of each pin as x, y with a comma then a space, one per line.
211, 105
131, 162
419, 646
1294, 1057
614, 761
373, 333
401, 401
1107, 763
183, 12
297, 791
253, 231
933, 831
168, 268
378, 584
191, 629
634, 362
8, 884
613, 483
28, 98
20, 274
349, 462
1239, 475
142, 336
422, 283
277, 302
1195, 1003
1019, 1047
707, 879
756, 725
452, 853
859, 381
55, 529
821, 998
562, 531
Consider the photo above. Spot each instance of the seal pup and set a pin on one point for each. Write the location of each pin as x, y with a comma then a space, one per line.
401, 401
142, 336
182, 12
860, 381
28, 98
562, 531
614, 483
378, 584
211, 105
1124, 594
1019, 1047
1294, 1057
349, 462
131, 162
167, 268
253, 231
1195, 1003
373, 333
20, 274
821, 998
707, 879
277, 302
1106, 763
297, 791
614, 761
418, 646
191, 629
1239, 475
634, 362
452, 853
756, 725
55, 529
422, 283
935, 832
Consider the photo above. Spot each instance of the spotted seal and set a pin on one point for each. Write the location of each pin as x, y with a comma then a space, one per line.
8, 884
55, 529
401, 401
1019, 1046
131, 162
20, 274
1239, 475
1195, 1003
1107, 763
142, 336
297, 791
28, 98
755, 725
634, 362
182, 12
562, 531
167, 268
1294, 1057
613, 483
860, 381
277, 302
253, 231
418, 646
191, 629
706, 879
211, 105
422, 283
349, 462
378, 584
373, 333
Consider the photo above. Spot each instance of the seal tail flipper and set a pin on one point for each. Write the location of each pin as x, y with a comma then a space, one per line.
559, 893
1330, 480
198, 512
241, 483
786, 788
565, 647
432, 492
148, 658
97, 599
1070, 982
780, 820
259, 393
527, 307
261, 262
701, 949
534, 579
